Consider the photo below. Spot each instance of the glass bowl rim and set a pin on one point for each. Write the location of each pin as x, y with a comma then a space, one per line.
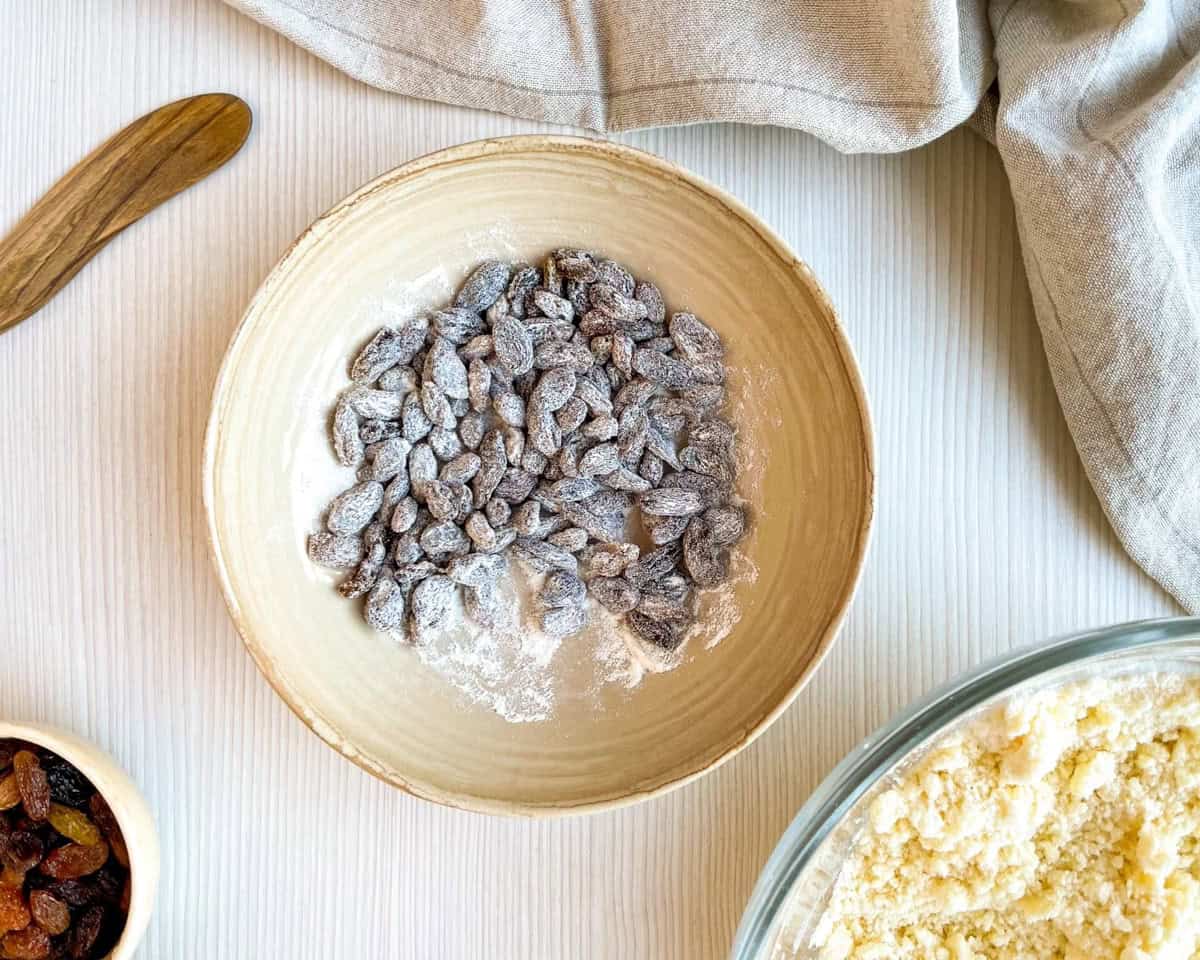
868, 762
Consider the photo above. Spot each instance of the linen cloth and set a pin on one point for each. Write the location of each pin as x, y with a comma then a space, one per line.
1093, 104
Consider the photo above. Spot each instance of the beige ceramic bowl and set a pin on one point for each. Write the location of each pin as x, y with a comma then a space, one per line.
128, 806
400, 246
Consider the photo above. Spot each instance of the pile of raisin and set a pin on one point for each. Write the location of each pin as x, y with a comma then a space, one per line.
64, 867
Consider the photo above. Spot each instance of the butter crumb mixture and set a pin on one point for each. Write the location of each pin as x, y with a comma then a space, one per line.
1064, 824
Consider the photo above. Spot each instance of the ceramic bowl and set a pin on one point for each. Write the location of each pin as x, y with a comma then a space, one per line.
128, 806
400, 246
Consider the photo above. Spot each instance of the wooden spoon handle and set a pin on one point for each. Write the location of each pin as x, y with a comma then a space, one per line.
120, 181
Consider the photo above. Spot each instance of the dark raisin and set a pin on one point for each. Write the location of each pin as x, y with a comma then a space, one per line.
23, 851
85, 933
107, 885
74, 893
110, 932
67, 785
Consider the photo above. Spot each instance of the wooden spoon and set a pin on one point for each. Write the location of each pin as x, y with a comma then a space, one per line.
123, 179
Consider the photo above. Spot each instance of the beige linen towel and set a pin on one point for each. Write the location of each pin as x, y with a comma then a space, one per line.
1097, 120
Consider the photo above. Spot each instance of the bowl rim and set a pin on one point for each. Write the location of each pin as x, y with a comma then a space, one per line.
471, 152
90, 759
911, 728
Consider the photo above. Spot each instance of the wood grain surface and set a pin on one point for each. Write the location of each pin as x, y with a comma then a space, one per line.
987, 534
120, 181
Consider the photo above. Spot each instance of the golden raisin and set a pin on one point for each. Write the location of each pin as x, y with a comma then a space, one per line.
49, 913
14, 915
10, 877
32, 943
74, 824
75, 860
10, 794
32, 783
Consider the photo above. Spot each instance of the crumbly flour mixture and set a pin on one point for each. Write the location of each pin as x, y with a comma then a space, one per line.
1065, 825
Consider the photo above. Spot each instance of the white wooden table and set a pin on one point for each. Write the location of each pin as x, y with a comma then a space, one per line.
987, 536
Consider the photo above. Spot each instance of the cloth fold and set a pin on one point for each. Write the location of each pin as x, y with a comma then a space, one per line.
1097, 120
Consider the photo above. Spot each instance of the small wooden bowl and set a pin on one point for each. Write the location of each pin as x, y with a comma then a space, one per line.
128, 806
400, 246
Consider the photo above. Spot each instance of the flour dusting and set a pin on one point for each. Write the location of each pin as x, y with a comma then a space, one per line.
505, 668
719, 610
612, 657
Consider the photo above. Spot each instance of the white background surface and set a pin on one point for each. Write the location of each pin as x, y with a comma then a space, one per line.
987, 534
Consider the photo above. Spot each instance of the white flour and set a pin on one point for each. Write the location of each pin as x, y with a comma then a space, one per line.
505, 668
719, 610
510, 668
611, 655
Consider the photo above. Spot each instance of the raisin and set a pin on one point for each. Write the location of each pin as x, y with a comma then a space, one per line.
7, 749
110, 933
23, 851
31, 781
10, 795
104, 818
64, 878
86, 930
32, 943
75, 860
49, 913
74, 825
74, 893
67, 785
14, 915
106, 886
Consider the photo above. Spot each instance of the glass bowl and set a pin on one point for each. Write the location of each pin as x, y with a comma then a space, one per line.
794, 887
